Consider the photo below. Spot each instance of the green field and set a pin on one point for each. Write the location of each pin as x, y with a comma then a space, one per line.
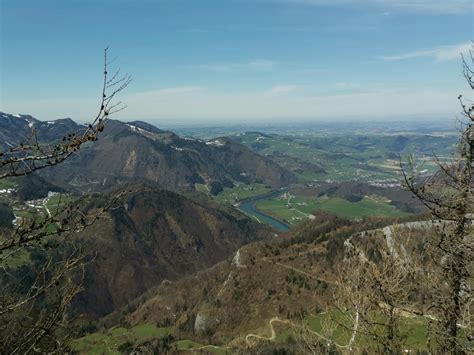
7, 184
300, 207
18, 259
414, 329
57, 201
338, 328
29, 214
241, 192
108, 342
348, 157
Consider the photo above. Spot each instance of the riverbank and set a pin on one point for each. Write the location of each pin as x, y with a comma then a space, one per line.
248, 207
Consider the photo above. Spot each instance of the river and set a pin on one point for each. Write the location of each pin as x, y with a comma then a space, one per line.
248, 206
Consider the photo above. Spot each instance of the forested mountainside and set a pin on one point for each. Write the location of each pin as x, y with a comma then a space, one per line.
150, 235
138, 150
257, 298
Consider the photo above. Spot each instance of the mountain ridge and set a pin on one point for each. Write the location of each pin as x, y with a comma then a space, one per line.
139, 150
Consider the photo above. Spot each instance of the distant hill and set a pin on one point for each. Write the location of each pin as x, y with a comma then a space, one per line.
15, 129
140, 151
344, 156
154, 235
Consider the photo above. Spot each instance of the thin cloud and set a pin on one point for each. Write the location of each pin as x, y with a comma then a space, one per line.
281, 90
255, 64
419, 6
277, 29
264, 64
344, 85
176, 91
439, 54
223, 68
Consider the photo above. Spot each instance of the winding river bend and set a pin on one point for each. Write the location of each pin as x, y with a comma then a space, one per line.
248, 206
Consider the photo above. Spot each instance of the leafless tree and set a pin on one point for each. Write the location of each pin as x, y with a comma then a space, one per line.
312, 342
32, 155
375, 295
33, 312
449, 197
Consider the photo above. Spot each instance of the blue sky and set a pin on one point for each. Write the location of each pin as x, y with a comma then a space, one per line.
200, 61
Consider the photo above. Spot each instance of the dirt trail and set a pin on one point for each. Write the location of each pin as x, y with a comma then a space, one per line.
45, 205
289, 322
272, 329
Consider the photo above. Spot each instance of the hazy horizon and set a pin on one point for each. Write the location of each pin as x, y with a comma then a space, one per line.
447, 122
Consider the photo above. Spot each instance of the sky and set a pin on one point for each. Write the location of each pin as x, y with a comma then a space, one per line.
237, 61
